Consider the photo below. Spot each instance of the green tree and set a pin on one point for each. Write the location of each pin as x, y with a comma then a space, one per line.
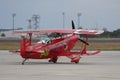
3, 35
116, 34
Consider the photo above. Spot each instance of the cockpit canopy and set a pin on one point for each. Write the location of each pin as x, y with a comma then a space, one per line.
46, 40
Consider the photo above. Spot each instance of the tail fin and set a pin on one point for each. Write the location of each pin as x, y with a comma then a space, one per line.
24, 43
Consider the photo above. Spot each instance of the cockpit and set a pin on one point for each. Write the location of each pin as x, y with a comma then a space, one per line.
46, 40
51, 38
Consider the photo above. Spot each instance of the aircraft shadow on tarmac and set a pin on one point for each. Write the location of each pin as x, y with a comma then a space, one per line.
58, 63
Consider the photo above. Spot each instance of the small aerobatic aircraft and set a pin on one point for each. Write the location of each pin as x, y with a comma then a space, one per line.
58, 46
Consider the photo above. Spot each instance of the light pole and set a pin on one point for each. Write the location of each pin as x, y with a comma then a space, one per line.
13, 15
36, 19
29, 27
79, 14
63, 19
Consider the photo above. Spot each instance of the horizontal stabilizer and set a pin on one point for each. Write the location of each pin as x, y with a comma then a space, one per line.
15, 51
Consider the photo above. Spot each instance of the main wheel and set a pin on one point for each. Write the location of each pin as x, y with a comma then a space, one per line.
54, 59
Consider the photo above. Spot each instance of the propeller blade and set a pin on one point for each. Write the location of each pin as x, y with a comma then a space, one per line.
73, 26
84, 42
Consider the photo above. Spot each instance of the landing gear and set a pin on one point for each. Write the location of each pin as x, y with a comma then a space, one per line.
54, 59
24, 61
75, 60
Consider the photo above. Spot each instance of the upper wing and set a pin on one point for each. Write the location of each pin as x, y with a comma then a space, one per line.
82, 31
75, 31
47, 31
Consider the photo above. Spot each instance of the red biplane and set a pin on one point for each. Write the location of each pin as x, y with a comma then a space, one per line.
59, 46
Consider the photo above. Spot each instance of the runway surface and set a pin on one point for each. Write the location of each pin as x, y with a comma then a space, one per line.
104, 66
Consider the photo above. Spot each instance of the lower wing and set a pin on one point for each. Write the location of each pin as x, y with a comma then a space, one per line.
87, 53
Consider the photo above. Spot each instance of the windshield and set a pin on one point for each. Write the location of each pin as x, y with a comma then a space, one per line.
45, 40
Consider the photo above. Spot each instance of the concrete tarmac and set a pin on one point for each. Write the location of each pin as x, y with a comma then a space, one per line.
104, 66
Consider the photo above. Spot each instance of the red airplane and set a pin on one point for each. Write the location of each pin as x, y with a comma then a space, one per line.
59, 46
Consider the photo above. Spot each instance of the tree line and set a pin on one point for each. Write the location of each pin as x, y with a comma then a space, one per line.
108, 34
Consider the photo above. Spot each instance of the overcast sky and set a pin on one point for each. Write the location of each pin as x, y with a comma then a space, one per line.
95, 13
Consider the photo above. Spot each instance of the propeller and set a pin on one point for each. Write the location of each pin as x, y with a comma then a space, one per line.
73, 27
84, 41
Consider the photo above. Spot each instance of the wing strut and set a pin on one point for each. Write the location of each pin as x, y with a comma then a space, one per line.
84, 48
30, 35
